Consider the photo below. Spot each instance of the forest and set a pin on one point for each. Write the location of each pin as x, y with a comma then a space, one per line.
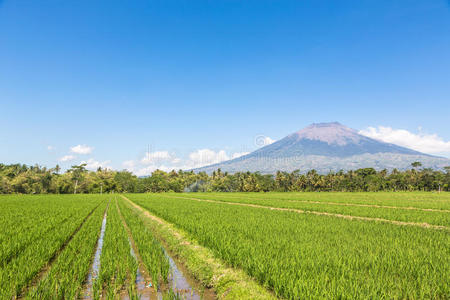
24, 179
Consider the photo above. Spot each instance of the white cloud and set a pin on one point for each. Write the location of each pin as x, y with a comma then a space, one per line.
129, 164
81, 149
204, 157
157, 156
144, 171
427, 143
67, 158
163, 160
92, 164
150, 169
50, 148
146, 165
239, 154
262, 140
268, 141
176, 160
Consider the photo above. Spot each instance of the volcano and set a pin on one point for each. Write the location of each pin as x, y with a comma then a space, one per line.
327, 147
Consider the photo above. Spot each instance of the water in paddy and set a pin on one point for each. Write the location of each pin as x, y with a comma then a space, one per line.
184, 285
93, 273
144, 292
180, 282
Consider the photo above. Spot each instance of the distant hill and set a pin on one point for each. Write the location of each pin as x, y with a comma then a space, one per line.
325, 147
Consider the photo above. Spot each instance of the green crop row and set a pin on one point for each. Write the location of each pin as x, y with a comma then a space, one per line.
304, 256
424, 200
24, 266
29, 210
395, 214
150, 250
48, 244
117, 266
23, 220
68, 272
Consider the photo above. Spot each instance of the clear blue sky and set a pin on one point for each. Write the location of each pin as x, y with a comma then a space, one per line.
187, 75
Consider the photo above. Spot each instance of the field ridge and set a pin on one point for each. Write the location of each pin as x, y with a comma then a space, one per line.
373, 205
301, 211
354, 204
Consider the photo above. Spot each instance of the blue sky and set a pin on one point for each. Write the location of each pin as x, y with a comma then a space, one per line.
116, 77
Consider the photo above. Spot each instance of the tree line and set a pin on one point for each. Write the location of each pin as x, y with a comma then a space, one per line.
23, 179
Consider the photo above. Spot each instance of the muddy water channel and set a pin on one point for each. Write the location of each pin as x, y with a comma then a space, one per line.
184, 285
181, 283
93, 273
144, 291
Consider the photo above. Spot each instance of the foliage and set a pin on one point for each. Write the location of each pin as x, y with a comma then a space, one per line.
36, 180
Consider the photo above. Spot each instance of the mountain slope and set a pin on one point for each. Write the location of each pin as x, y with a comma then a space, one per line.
325, 147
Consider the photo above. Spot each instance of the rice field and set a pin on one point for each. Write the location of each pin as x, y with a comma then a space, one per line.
293, 245
49, 247
318, 245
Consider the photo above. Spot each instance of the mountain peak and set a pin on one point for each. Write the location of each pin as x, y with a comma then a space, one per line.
325, 147
330, 133
326, 124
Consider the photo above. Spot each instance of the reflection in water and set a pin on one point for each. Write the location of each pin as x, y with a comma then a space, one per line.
179, 283
144, 291
93, 273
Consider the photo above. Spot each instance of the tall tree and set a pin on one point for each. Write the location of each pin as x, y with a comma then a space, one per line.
78, 173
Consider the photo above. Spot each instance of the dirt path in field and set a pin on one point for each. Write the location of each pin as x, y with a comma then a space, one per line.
350, 204
143, 275
300, 211
46, 268
148, 215
373, 205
